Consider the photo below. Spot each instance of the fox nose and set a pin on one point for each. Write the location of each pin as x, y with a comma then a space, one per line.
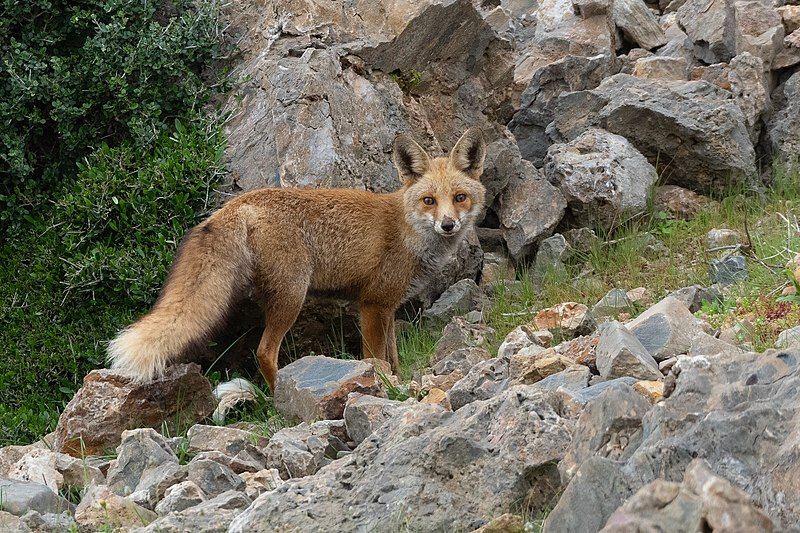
448, 224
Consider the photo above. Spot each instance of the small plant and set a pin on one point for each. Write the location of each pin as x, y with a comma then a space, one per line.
407, 81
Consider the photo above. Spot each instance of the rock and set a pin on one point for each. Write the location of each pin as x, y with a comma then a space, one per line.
519, 338
620, 354
101, 509
560, 32
508, 443
9, 522
604, 179
302, 450
612, 304
695, 135
438, 397
244, 461
782, 128
710, 28
695, 296
179, 497
665, 365
485, 380
661, 68
665, 329
703, 500
749, 90
788, 338
639, 295
704, 344
19, 497
553, 252
727, 271
638, 24
577, 399
211, 516
652, 390
458, 334
11, 454
529, 211
56, 470
316, 387
496, 267
538, 101
461, 297
572, 378
570, 318
461, 361
213, 478
364, 414
144, 468
227, 440
527, 369
759, 30
506, 523
590, 8
43, 523
262, 481
108, 404
443, 382
582, 239
679, 202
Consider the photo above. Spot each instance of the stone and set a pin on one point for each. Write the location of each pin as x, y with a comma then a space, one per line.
665, 329
579, 398
460, 361
505, 523
710, 26
694, 134
604, 179
652, 390
108, 404
228, 440
11, 454
458, 334
620, 354
459, 298
695, 296
582, 239
9, 522
485, 380
302, 450
572, 378
759, 30
257, 483
443, 382
782, 129
519, 338
612, 304
364, 414
529, 211
727, 271
436, 396
551, 255
788, 338
179, 497
665, 365
316, 387
144, 468
244, 461
496, 267
639, 295
56, 470
590, 8
44, 523
101, 508
213, 478
661, 68
444, 462
749, 89
637, 23
571, 318
19, 497
703, 500
211, 516
790, 15
681, 203
530, 369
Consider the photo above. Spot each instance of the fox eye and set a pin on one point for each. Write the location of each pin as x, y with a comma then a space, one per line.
429, 200
460, 198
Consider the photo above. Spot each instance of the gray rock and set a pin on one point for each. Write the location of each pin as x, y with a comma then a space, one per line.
46, 523
101, 509
719, 237
363, 415
582, 239
302, 450
485, 380
603, 177
459, 298
789, 338
244, 461
749, 88
662, 66
228, 440
19, 497
692, 131
705, 344
620, 354
551, 255
462, 360
530, 209
665, 329
10, 522
519, 338
213, 478
582, 397
759, 30
783, 130
572, 379
316, 387
609, 427
458, 334
709, 27
695, 296
458, 468
179, 497
614, 302
638, 23
211, 516
727, 271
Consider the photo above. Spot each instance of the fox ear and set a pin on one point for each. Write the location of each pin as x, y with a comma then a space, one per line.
469, 152
411, 159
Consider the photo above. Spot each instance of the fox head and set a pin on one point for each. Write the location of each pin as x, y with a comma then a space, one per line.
442, 194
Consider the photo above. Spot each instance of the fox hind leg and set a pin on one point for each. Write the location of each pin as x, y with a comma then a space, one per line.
377, 333
280, 313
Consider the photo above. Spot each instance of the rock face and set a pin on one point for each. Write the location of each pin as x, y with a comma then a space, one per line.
316, 387
108, 404
704, 134
603, 177
480, 460
782, 128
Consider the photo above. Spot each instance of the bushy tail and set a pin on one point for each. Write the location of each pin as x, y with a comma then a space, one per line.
213, 264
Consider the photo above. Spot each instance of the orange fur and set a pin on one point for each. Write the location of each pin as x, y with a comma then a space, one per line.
378, 249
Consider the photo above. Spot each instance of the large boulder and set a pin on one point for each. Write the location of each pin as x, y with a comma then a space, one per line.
783, 129
19, 497
302, 450
604, 178
692, 131
108, 404
429, 470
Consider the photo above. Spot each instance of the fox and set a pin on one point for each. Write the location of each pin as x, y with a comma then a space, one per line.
282, 244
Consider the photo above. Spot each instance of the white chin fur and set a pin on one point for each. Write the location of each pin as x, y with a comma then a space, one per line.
438, 228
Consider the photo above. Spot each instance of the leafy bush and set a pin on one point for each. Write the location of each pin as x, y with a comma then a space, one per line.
89, 261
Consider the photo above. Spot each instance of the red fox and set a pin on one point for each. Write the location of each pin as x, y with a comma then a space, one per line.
377, 249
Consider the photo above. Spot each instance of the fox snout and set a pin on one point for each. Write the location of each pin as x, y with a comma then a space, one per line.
447, 226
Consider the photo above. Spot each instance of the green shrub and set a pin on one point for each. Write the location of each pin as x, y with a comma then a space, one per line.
85, 264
